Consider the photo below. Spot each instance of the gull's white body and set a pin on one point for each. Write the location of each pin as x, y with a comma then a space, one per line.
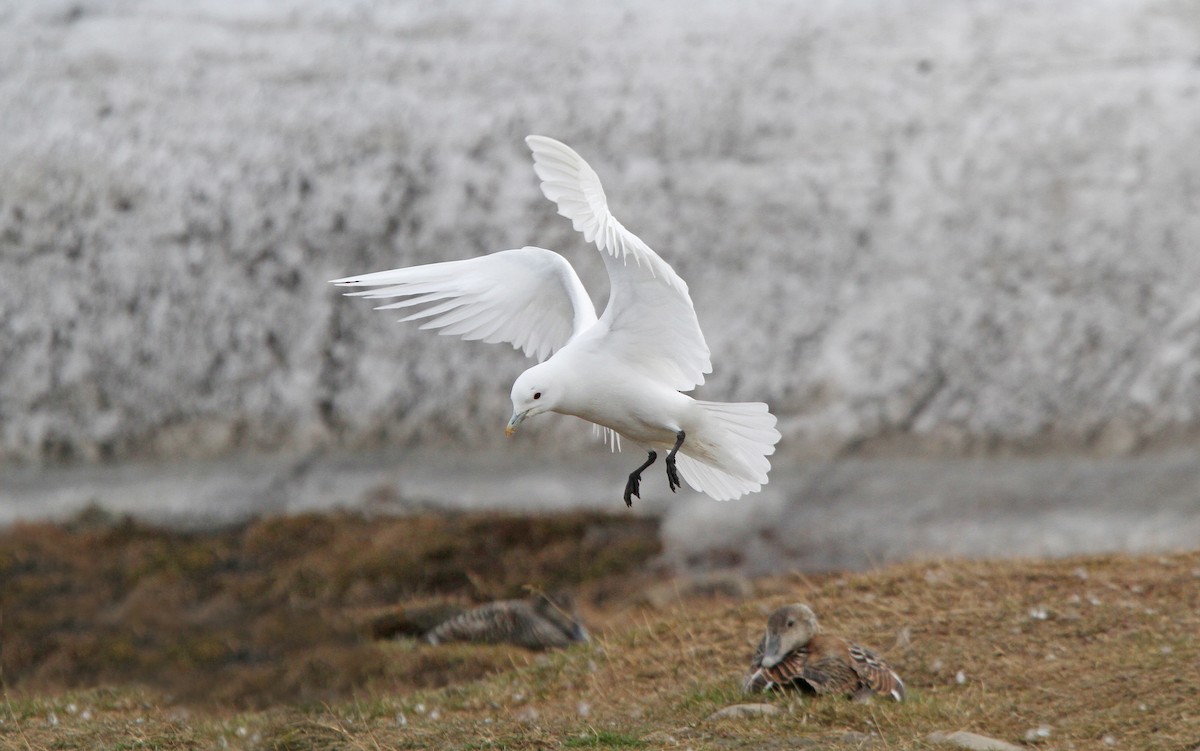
623, 370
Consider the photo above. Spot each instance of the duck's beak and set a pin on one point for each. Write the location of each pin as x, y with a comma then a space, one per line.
517, 419
771, 656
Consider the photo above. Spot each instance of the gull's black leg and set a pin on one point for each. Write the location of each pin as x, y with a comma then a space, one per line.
635, 480
672, 475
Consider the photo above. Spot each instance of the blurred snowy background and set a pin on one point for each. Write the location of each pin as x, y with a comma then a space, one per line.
922, 230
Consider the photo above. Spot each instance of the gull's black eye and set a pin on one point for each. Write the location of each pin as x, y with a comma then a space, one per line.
537, 395
791, 623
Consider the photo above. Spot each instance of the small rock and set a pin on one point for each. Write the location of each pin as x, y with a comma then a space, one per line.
971, 741
736, 711
528, 715
857, 739
177, 714
660, 738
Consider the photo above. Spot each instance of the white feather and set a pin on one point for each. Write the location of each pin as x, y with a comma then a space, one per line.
530, 298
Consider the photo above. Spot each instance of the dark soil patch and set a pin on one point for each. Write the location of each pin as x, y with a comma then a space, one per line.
273, 609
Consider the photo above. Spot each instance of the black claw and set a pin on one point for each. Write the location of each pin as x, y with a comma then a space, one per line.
634, 485
631, 489
672, 474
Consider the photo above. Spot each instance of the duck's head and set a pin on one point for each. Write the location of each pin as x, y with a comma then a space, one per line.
559, 609
788, 628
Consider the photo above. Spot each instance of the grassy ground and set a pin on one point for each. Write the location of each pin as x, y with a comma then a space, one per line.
251, 638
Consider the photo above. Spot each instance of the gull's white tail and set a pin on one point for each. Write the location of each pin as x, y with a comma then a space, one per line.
728, 458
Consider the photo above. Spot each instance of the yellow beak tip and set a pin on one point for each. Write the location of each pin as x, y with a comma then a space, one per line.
509, 431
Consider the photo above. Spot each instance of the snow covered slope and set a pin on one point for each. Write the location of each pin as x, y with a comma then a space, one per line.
983, 217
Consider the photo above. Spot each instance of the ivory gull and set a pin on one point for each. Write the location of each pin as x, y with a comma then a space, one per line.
624, 371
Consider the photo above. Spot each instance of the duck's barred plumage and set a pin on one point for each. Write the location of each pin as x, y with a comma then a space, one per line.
819, 663
414, 621
539, 622
828, 665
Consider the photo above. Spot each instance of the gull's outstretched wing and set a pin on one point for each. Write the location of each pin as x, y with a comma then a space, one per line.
529, 297
649, 321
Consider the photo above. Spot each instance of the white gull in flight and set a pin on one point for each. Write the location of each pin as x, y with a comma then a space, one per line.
623, 371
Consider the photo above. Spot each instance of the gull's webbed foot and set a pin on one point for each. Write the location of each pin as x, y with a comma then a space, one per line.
634, 485
672, 473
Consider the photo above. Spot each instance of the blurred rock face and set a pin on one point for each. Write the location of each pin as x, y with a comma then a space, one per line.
953, 228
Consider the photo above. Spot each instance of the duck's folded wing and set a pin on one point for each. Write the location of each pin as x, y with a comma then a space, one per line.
493, 623
824, 673
528, 297
875, 673
649, 321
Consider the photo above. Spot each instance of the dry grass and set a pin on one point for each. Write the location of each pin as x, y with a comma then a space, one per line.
1098, 651
269, 611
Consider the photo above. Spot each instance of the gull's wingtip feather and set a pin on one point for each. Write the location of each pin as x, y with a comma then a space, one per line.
548, 148
533, 138
534, 141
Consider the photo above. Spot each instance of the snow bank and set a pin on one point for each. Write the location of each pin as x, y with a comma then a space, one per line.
948, 226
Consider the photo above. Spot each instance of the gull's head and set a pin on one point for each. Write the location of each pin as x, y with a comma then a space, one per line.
532, 394
788, 628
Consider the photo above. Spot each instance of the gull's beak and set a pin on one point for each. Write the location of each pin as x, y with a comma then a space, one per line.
517, 419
